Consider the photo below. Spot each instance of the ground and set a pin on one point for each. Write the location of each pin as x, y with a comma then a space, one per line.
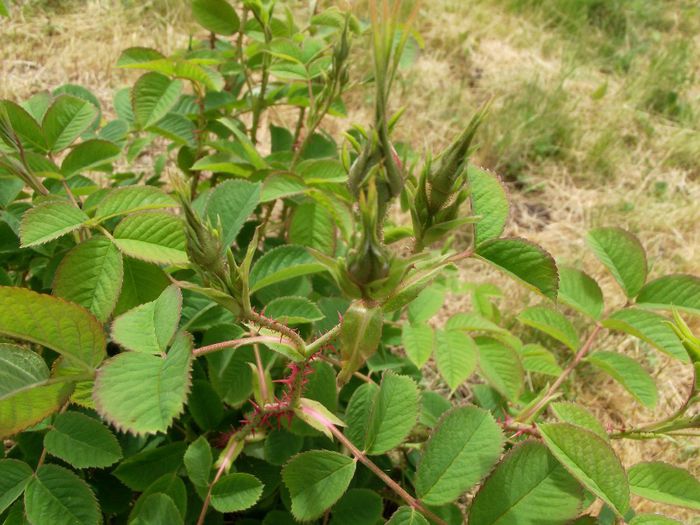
595, 121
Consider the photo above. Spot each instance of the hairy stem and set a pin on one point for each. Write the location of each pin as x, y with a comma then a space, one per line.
264, 394
284, 330
235, 343
225, 464
398, 489
534, 410
326, 338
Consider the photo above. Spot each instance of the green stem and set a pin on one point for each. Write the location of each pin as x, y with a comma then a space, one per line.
323, 340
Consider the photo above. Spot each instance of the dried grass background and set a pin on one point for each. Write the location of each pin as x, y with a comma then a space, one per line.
612, 160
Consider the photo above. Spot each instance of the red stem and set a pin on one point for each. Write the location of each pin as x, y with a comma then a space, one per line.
235, 343
524, 417
398, 489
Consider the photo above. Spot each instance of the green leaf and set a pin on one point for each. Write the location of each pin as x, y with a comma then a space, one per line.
57, 496
337, 208
89, 155
293, 310
322, 171
4, 8
490, 201
358, 411
27, 394
139, 471
653, 519
66, 119
39, 103
157, 237
622, 254
665, 483
151, 326
26, 407
153, 96
281, 445
198, 462
10, 188
64, 327
316, 480
463, 448
282, 263
538, 359
156, 509
577, 415
91, 275
473, 322
134, 56
14, 476
649, 327
523, 260
205, 405
418, 342
232, 202
456, 355
216, 16
407, 516
222, 163
552, 323
230, 375
49, 221
501, 367
589, 458
280, 185
81, 93
177, 128
581, 292
379, 419
392, 415
82, 441
20, 368
433, 406
152, 60
312, 225
143, 282
672, 291
357, 507
236, 492
526, 482
426, 305
143, 393
171, 486
123, 201
629, 374
23, 125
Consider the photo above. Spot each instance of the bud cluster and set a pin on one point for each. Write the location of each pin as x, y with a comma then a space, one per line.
441, 188
212, 260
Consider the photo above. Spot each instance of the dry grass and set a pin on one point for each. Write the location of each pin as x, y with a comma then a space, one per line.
615, 161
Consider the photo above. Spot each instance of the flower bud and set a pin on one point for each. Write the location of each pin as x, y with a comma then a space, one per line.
450, 165
368, 260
